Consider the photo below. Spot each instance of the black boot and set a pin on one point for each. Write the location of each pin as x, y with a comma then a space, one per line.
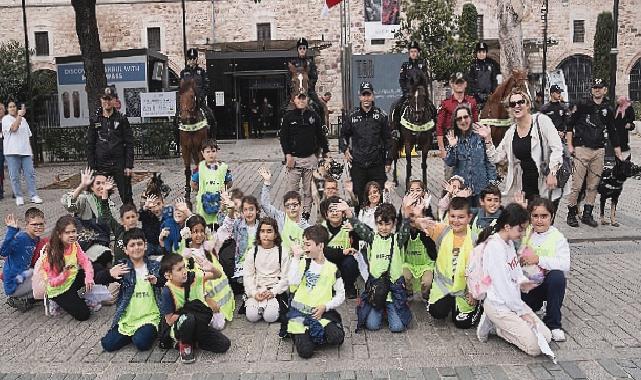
187, 184
572, 212
587, 216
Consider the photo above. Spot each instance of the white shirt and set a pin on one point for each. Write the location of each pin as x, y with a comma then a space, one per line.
16, 142
502, 265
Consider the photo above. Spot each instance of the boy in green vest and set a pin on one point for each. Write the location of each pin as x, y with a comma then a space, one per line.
211, 179
342, 244
318, 291
188, 314
454, 243
490, 210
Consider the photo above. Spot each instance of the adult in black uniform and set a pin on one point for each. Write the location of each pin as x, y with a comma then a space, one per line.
413, 63
366, 142
312, 74
482, 76
199, 75
110, 145
586, 140
557, 110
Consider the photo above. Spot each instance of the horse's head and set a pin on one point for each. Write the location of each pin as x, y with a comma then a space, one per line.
299, 83
519, 81
419, 107
416, 78
187, 99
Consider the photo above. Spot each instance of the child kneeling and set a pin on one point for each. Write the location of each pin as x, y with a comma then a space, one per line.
317, 290
138, 312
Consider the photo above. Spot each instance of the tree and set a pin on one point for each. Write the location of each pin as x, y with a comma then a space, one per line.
89, 40
469, 23
511, 14
435, 27
602, 46
13, 78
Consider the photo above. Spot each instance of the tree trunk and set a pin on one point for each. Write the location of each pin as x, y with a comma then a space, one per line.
87, 31
510, 36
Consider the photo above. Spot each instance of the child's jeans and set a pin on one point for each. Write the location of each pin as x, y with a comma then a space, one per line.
188, 331
142, 339
375, 319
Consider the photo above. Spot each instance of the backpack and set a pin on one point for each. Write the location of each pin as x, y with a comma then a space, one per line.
377, 289
564, 171
211, 203
478, 282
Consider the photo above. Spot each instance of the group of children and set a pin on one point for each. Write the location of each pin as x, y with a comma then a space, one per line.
177, 277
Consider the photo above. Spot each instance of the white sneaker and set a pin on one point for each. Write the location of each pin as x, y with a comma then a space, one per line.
558, 335
36, 199
19, 201
484, 328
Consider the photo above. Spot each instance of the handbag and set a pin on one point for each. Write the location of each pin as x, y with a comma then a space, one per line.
376, 289
210, 202
564, 171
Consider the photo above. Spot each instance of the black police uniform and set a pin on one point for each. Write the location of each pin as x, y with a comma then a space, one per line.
482, 80
558, 112
406, 67
199, 75
110, 149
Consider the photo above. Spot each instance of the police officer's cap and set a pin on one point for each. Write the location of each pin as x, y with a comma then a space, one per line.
555, 88
457, 77
192, 53
414, 45
480, 46
598, 83
366, 87
302, 42
109, 93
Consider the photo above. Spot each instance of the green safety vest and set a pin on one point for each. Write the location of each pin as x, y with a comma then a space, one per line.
209, 181
378, 258
196, 291
476, 230
417, 261
219, 290
306, 298
142, 309
292, 234
548, 247
340, 240
449, 277
70, 259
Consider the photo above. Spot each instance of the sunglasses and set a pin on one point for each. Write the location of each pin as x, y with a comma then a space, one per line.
302, 97
461, 118
302, 48
519, 102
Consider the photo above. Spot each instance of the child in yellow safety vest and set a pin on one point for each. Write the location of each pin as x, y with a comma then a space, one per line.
317, 289
551, 259
218, 294
454, 243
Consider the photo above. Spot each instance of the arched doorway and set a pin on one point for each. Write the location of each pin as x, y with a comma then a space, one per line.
577, 71
635, 81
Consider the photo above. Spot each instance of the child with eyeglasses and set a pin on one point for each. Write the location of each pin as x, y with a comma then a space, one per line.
17, 249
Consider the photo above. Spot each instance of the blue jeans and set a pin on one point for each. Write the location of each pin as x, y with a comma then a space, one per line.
143, 339
375, 319
16, 163
552, 290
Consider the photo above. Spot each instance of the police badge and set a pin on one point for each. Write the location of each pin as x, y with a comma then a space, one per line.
604, 112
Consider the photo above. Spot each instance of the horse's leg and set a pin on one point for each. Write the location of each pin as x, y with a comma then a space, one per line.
424, 152
395, 175
185, 147
408, 160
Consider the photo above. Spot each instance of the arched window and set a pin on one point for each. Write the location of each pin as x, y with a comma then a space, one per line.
635, 82
66, 105
577, 71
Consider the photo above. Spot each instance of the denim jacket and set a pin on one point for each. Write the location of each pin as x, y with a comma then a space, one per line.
470, 162
128, 284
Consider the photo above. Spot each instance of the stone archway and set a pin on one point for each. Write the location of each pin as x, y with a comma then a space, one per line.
577, 70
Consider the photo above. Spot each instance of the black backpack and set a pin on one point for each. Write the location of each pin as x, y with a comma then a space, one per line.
376, 289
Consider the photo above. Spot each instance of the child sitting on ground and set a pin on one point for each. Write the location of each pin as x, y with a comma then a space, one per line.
128, 217
169, 239
212, 178
375, 196
137, 313
318, 291
18, 249
152, 214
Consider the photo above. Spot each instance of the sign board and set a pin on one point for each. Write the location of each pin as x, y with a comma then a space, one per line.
382, 71
382, 18
220, 99
74, 73
157, 104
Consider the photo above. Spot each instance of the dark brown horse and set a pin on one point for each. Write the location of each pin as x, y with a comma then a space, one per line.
495, 113
192, 125
299, 84
413, 121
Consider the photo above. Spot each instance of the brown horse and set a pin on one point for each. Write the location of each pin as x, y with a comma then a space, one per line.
414, 121
299, 84
495, 113
192, 125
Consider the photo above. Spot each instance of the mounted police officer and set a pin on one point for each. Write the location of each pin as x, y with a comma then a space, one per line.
482, 76
413, 63
199, 75
557, 110
301, 60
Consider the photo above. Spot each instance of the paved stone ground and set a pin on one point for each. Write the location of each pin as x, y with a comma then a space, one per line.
600, 315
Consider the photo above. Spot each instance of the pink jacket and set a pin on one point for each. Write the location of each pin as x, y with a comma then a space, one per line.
55, 278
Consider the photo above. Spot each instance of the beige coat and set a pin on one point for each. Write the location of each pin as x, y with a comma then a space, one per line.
552, 153
265, 273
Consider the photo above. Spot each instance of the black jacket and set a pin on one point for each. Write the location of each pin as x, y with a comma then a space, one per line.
369, 135
558, 112
199, 75
312, 73
110, 141
482, 77
620, 122
406, 67
301, 133
589, 122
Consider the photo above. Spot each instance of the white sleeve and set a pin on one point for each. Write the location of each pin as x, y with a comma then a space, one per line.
498, 154
284, 272
561, 260
339, 295
494, 264
362, 265
6, 124
293, 277
249, 275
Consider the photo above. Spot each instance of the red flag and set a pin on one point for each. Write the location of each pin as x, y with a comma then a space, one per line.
331, 3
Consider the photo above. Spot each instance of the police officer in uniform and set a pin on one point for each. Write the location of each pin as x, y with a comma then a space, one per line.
199, 75
366, 142
482, 76
110, 145
413, 63
586, 140
557, 110
300, 61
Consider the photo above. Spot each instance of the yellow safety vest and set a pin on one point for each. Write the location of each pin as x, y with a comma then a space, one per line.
71, 260
340, 240
209, 181
307, 298
292, 234
219, 290
417, 261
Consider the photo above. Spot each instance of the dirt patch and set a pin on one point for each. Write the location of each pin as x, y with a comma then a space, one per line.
61, 183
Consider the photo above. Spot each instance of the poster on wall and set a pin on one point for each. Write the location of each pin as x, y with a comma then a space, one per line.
382, 18
132, 100
157, 104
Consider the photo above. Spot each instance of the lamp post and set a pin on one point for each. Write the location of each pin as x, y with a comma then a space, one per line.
26, 49
184, 33
614, 51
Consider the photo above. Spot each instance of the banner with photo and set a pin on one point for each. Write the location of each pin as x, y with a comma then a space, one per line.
382, 18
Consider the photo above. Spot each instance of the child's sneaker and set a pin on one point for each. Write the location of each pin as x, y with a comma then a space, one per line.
22, 304
93, 306
558, 335
186, 353
485, 328
51, 308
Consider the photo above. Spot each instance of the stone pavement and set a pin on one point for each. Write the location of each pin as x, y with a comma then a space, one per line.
600, 316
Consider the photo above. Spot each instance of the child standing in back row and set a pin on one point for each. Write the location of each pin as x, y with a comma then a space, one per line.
212, 178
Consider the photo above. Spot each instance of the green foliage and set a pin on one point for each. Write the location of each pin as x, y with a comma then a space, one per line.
436, 28
13, 78
602, 46
468, 22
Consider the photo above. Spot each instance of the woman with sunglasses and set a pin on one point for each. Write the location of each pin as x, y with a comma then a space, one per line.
521, 150
466, 154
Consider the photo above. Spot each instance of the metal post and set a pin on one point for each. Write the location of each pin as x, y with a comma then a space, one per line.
184, 33
26, 49
545, 49
613, 52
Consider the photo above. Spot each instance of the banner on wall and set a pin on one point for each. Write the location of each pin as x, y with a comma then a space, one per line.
157, 104
382, 18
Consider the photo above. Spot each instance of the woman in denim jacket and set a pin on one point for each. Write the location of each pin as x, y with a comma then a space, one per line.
466, 153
